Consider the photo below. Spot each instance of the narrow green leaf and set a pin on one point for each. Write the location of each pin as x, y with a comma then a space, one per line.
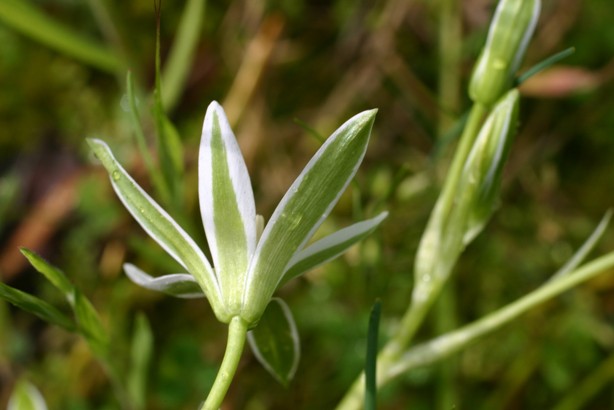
161, 227
26, 396
330, 247
9, 189
89, 324
170, 150
304, 207
544, 64
53, 274
35, 306
371, 358
181, 285
28, 20
140, 357
586, 247
275, 341
180, 58
226, 204
135, 118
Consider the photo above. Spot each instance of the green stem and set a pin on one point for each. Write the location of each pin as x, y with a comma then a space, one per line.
472, 127
237, 332
392, 364
452, 342
449, 47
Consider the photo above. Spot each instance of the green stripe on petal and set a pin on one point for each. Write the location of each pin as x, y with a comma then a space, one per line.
161, 227
226, 204
330, 247
303, 208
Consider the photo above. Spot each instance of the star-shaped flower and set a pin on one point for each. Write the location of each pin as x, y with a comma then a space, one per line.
248, 267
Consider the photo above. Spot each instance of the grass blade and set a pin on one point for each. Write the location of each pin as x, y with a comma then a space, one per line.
371, 358
28, 20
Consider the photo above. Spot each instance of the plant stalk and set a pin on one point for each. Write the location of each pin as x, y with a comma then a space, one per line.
237, 333
391, 365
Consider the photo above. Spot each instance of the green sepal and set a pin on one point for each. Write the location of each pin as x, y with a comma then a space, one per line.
275, 341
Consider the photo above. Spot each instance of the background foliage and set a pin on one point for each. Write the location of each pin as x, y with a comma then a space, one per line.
286, 71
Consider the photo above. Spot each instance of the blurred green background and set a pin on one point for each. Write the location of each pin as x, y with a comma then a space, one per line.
285, 71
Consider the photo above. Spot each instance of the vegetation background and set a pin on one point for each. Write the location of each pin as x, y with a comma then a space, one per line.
285, 71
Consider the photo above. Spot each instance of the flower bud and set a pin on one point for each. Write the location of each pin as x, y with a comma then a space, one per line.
482, 171
510, 31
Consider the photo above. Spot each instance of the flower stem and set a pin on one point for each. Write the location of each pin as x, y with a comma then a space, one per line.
237, 332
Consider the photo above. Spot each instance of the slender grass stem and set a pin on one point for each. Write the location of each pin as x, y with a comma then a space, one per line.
237, 332
391, 363
452, 342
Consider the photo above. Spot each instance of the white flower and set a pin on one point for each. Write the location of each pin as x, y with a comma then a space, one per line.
246, 269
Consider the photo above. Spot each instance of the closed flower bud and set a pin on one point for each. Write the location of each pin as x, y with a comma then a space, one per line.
510, 31
482, 172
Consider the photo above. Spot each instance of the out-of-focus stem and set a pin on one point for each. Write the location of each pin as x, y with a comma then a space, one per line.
450, 44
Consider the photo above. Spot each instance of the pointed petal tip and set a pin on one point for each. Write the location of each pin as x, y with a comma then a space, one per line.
214, 106
94, 142
382, 215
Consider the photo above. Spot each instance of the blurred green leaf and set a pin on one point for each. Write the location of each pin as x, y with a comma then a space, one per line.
275, 341
135, 119
35, 306
170, 150
180, 58
371, 358
89, 323
53, 274
140, 357
9, 187
28, 20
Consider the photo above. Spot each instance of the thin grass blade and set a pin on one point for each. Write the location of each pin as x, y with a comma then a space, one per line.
586, 247
53, 274
140, 359
179, 61
28, 20
371, 358
90, 325
35, 306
